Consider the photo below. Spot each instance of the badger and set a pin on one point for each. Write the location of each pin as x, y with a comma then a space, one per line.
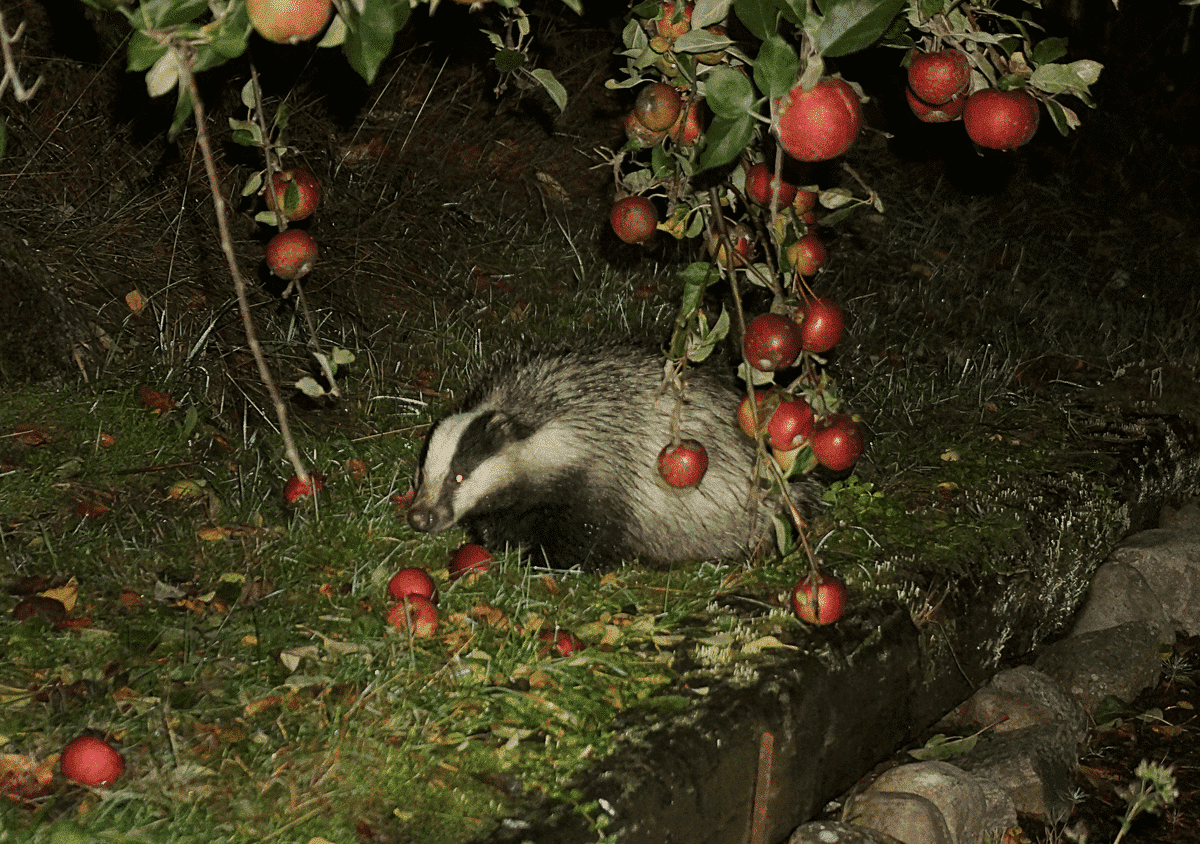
559, 454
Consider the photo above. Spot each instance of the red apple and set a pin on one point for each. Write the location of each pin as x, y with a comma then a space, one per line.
821, 123
743, 244
943, 113
639, 134
937, 78
296, 193
805, 202
761, 186
716, 56
807, 255
634, 219
791, 424
658, 106
674, 22
822, 326
289, 21
296, 488
469, 559
837, 442
772, 342
415, 614
90, 761
411, 581
291, 254
1001, 119
746, 419
567, 643
690, 125
830, 601
683, 464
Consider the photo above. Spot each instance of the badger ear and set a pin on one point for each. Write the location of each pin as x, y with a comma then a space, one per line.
504, 427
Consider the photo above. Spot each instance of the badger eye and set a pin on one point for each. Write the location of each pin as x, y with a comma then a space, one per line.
459, 478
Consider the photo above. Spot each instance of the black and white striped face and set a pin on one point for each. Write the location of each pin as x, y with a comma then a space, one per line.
471, 459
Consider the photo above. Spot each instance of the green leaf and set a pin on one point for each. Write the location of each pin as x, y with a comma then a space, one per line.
574, 5
761, 17
1059, 116
144, 51
775, 67
707, 12
163, 76
728, 93
553, 87
509, 60
795, 11
726, 138
701, 41
161, 14
853, 25
661, 164
929, 8
1049, 50
1058, 79
650, 10
370, 34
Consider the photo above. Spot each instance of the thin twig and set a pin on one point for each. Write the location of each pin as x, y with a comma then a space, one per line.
185, 61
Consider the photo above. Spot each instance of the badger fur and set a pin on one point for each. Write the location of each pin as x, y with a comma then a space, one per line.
560, 454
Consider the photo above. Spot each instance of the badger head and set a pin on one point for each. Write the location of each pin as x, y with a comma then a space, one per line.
471, 460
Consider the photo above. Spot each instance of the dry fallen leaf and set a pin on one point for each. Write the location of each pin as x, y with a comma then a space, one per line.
32, 435
154, 399
136, 302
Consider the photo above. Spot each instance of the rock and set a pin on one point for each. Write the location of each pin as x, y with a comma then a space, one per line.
1033, 766
909, 818
836, 832
1185, 517
1120, 661
1119, 593
1017, 699
922, 801
1170, 562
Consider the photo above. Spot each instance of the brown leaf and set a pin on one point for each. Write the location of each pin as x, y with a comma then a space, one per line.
32, 435
130, 600
154, 399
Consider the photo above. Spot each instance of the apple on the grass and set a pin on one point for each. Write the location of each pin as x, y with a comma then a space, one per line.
412, 581
414, 614
297, 489
91, 761
683, 464
469, 559
828, 604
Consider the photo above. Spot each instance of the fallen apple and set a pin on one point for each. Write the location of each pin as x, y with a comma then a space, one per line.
91, 761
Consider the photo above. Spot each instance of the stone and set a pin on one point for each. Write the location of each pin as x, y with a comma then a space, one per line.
1039, 690
1170, 562
1032, 766
836, 832
1118, 594
1184, 517
909, 818
957, 795
1120, 661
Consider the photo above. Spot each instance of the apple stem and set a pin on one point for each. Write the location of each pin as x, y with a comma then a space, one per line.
185, 60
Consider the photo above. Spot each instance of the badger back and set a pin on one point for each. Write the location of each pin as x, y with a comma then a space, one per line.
560, 454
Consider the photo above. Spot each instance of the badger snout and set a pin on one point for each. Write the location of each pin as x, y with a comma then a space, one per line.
422, 519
